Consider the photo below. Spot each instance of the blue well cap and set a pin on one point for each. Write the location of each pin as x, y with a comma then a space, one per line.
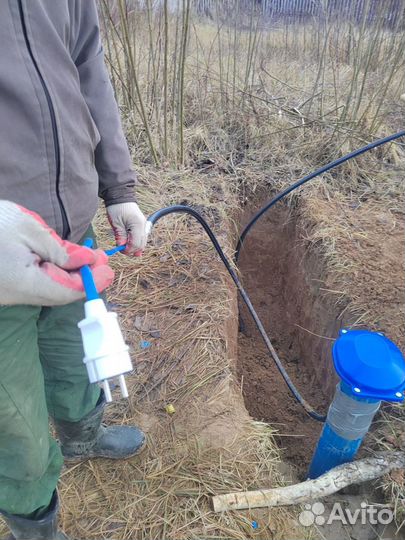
370, 364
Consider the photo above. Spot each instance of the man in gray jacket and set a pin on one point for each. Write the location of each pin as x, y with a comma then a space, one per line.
61, 147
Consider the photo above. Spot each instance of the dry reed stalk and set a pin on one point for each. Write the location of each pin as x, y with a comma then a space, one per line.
182, 67
165, 79
129, 54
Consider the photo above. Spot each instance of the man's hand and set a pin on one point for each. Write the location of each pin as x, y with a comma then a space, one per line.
37, 267
128, 224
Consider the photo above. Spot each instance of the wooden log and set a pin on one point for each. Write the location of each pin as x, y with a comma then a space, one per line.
334, 480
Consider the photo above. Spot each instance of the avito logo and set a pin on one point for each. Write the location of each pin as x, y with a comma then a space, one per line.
315, 514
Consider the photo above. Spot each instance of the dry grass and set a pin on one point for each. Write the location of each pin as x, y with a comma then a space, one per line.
361, 242
390, 435
194, 78
358, 235
177, 298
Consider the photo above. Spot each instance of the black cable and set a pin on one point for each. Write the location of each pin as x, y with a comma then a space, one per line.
314, 174
188, 210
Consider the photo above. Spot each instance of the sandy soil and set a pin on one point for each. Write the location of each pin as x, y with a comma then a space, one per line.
282, 280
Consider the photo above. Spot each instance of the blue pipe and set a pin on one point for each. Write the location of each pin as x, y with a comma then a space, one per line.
372, 369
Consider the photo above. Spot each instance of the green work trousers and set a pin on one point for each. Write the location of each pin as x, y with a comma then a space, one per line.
42, 373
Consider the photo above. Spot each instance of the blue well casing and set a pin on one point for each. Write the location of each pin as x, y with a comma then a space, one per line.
372, 369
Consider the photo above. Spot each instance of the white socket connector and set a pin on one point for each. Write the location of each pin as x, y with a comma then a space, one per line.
106, 354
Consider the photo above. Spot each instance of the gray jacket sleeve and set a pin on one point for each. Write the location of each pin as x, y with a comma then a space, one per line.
112, 158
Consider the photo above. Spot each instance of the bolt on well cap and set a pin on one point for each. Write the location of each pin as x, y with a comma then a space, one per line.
370, 364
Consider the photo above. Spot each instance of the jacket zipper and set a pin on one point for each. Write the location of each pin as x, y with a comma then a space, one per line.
65, 223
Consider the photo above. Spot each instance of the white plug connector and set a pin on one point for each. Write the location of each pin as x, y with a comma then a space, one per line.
105, 352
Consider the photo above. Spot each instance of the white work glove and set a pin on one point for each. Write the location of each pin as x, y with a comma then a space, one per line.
128, 223
37, 267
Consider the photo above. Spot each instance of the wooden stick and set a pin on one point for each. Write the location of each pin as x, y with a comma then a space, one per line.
334, 480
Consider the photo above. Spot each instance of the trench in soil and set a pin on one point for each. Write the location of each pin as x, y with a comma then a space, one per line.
284, 281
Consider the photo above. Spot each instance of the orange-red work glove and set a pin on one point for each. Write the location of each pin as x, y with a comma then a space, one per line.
37, 267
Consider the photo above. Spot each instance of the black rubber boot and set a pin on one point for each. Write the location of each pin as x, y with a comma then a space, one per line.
45, 528
88, 438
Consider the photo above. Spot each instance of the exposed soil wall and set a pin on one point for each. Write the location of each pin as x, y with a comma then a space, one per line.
284, 281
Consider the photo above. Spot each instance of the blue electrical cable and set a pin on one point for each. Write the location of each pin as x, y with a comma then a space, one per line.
87, 276
115, 250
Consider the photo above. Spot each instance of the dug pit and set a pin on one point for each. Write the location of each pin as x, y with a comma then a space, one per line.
285, 282
285, 278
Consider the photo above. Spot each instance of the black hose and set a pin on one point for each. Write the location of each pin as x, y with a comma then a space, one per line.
188, 210
306, 179
180, 209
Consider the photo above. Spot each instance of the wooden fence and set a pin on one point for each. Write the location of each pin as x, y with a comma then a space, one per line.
354, 10
392, 11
